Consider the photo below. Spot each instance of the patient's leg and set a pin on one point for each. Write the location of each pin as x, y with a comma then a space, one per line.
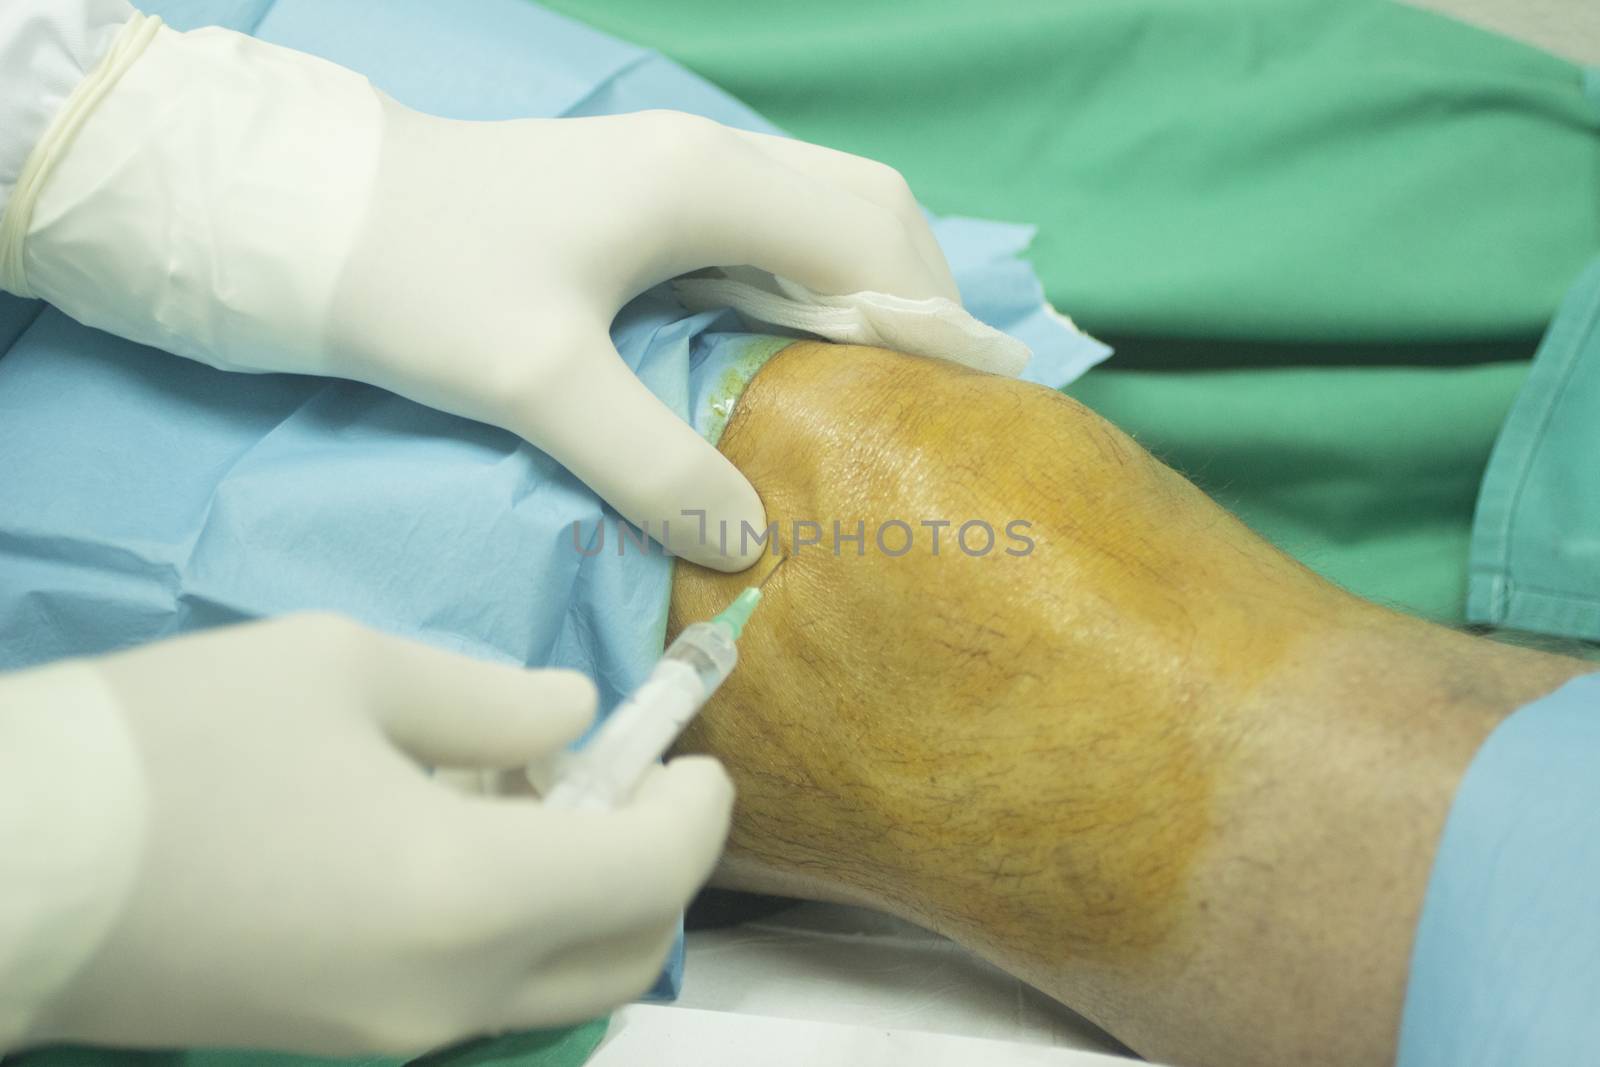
1152, 766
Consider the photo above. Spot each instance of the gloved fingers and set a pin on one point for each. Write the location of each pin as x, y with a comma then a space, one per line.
870, 180
450, 710
567, 878
646, 462
693, 796
589, 978
661, 847
750, 209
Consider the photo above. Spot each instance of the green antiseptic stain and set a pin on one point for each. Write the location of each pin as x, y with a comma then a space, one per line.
731, 383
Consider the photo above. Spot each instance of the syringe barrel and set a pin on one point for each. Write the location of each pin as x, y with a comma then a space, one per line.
707, 647
605, 772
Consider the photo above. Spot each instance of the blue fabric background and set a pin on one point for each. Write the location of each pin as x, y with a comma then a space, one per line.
1506, 964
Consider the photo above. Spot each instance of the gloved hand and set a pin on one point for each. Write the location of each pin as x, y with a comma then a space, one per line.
303, 881
258, 209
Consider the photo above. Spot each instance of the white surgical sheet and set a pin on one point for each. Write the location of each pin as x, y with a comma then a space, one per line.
685, 1037
847, 966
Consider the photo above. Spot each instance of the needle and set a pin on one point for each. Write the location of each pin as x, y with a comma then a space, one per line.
763, 583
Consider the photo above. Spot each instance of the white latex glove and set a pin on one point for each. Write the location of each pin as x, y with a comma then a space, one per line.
303, 883
258, 209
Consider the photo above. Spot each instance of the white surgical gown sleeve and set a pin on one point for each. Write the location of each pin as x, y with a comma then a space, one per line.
47, 47
71, 801
72, 816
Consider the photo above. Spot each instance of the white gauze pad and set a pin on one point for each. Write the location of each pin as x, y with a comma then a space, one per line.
935, 327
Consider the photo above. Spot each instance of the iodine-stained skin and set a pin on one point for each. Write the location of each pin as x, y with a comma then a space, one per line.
1131, 753
938, 673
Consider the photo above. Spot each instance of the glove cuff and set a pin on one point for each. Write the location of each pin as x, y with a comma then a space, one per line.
205, 201
72, 819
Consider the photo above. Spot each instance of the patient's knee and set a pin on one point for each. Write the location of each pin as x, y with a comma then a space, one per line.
900, 720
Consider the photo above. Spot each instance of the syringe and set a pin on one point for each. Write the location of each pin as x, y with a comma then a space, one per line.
604, 773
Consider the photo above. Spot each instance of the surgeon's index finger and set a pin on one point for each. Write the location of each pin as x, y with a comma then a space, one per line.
751, 209
872, 181
451, 710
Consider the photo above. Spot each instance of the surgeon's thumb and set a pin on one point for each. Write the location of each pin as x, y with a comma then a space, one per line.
604, 425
